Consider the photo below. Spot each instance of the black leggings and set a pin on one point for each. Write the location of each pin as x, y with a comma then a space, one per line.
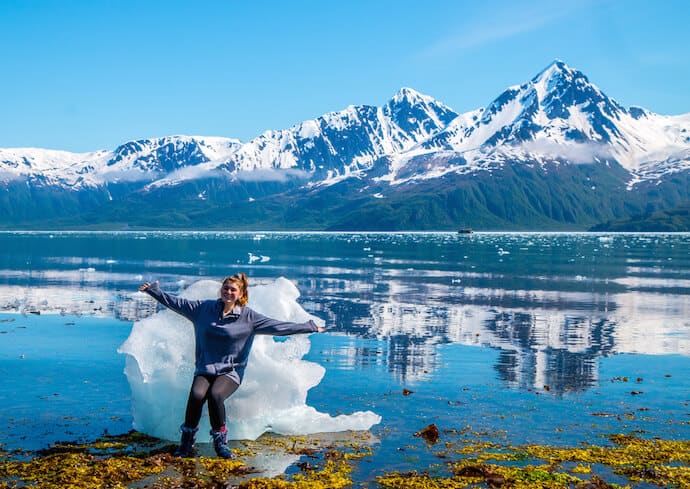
212, 388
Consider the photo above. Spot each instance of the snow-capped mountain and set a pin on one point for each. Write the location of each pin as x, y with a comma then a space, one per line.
342, 143
334, 145
412, 146
558, 116
141, 160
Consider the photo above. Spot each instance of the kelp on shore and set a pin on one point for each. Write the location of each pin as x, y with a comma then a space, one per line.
466, 459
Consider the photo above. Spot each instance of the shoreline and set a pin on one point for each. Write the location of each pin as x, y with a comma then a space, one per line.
464, 458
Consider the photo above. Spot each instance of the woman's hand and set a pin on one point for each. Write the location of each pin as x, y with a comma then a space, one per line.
144, 286
319, 329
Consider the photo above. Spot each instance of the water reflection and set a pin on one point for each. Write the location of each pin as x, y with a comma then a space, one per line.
556, 346
551, 304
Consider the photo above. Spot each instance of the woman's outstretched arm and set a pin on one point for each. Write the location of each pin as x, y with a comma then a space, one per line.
265, 325
181, 306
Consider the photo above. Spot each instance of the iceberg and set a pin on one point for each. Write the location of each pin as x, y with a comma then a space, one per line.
159, 367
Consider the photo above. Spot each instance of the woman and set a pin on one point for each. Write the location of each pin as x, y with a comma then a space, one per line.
224, 331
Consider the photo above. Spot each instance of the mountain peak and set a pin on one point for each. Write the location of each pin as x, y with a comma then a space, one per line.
558, 64
418, 114
407, 99
558, 71
410, 95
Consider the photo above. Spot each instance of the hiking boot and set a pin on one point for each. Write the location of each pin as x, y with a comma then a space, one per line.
186, 448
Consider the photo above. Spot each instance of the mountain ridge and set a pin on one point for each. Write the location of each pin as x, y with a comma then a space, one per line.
367, 154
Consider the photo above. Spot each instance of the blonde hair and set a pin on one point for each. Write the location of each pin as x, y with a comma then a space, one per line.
240, 279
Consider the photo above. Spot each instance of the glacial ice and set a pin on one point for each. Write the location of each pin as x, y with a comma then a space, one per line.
272, 398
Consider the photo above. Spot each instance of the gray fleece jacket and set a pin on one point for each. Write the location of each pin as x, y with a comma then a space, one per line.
223, 344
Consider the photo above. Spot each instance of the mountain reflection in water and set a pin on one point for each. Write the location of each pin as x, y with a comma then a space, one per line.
552, 304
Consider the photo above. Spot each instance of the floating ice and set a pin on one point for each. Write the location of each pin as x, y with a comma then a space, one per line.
160, 366
260, 258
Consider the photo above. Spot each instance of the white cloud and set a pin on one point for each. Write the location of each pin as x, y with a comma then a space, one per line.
572, 152
131, 175
8, 176
272, 175
512, 20
205, 172
195, 173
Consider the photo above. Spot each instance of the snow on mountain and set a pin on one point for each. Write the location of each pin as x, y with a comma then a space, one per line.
557, 116
339, 144
333, 146
133, 161
415, 118
50, 166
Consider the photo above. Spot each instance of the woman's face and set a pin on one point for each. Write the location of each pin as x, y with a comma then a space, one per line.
230, 292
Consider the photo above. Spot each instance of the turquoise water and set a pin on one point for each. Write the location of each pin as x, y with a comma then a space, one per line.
61, 379
555, 338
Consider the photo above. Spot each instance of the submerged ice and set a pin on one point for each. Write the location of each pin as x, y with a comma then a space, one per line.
160, 367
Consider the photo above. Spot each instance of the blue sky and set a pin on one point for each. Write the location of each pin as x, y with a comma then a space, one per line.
88, 75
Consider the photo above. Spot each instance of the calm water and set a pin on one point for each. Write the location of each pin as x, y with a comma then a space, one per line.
530, 335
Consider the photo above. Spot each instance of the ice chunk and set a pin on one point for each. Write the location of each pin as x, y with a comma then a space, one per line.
160, 366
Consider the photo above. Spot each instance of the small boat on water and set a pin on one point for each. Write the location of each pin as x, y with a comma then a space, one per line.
465, 231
